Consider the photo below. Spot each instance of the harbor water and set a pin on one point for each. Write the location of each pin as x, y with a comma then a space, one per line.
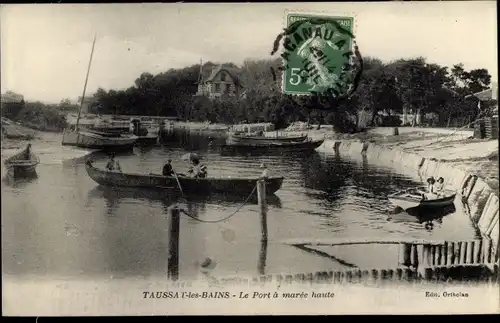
63, 224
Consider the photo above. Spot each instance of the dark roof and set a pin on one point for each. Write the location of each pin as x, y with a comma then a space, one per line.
208, 73
489, 94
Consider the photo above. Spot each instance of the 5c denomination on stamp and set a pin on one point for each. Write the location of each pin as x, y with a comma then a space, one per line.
317, 54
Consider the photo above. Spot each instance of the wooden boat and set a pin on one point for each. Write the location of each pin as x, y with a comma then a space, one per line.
414, 198
22, 164
95, 139
144, 136
242, 139
242, 186
306, 145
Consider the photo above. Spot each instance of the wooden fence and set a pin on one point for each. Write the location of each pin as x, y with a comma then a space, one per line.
419, 262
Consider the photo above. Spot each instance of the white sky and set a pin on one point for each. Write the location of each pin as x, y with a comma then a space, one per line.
45, 48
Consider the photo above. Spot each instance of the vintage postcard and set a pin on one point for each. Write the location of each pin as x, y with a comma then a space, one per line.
249, 158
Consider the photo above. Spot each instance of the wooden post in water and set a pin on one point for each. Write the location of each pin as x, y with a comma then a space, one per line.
173, 243
261, 195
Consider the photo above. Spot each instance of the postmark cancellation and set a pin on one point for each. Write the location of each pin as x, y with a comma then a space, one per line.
318, 52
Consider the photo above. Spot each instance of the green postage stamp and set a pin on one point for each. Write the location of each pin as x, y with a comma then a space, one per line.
317, 54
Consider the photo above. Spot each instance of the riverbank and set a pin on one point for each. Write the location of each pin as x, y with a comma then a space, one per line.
468, 165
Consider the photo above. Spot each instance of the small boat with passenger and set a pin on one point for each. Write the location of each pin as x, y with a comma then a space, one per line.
188, 185
418, 198
22, 164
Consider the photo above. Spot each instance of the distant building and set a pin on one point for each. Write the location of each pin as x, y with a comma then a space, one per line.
11, 97
89, 104
11, 104
488, 95
219, 82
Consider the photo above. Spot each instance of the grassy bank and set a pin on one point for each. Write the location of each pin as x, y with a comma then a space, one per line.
35, 115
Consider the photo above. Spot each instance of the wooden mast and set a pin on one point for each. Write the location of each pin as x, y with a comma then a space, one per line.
85, 86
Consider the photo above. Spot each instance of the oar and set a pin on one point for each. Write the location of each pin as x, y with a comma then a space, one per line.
178, 182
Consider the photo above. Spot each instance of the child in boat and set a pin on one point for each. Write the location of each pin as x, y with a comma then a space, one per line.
113, 165
439, 186
203, 172
28, 152
431, 190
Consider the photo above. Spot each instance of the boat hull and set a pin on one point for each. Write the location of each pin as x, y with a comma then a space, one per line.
18, 166
234, 139
243, 186
407, 202
289, 146
147, 140
94, 140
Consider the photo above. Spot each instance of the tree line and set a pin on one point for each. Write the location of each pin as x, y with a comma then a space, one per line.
386, 89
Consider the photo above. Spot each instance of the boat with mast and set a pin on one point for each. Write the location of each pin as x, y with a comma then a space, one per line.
93, 139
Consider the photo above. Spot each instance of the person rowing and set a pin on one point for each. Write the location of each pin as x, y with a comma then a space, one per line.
113, 165
167, 169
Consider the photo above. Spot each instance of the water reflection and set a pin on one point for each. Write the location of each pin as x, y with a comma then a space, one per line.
427, 217
19, 182
114, 194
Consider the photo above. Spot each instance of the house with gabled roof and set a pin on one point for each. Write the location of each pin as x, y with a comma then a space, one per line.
488, 95
219, 81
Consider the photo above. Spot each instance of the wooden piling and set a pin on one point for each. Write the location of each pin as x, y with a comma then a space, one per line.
469, 257
261, 195
478, 247
456, 252
405, 254
173, 244
449, 253
414, 256
444, 254
463, 253
486, 258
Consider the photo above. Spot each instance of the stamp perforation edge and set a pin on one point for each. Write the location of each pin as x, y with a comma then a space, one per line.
318, 13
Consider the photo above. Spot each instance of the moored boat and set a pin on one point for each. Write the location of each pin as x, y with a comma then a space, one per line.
415, 198
306, 145
257, 139
188, 185
94, 139
144, 136
22, 164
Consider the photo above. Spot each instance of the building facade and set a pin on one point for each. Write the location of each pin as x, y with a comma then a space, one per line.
219, 82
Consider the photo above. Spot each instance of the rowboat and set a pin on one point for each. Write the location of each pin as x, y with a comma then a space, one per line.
237, 139
188, 185
306, 145
415, 198
22, 164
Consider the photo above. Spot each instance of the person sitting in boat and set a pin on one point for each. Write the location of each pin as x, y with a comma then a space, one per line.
28, 152
431, 190
439, 186
203, 172
265, 173
113, 165
430, 184
167, 169
195, 169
